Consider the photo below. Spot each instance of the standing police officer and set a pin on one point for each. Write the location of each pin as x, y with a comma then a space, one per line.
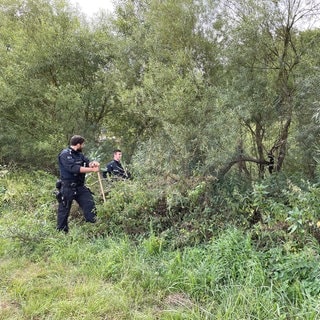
73, 167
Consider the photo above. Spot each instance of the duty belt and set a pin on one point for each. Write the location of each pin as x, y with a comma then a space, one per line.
71, 184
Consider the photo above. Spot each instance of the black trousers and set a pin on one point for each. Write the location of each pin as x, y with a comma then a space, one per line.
84, 197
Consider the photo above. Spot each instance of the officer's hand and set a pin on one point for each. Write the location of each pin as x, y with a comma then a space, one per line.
94, 164
95, 169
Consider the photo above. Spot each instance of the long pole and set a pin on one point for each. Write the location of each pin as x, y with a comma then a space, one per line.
101, 187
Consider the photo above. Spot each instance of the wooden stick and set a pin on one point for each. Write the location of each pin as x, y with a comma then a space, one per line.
101, 187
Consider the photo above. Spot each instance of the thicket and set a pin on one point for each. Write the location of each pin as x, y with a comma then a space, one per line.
198, 253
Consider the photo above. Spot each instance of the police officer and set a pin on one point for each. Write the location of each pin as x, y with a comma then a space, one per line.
73, 167
114, 168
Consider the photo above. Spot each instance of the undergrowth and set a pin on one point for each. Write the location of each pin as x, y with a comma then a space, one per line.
180, 252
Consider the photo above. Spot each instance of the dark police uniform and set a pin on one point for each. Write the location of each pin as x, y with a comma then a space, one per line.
114, 169
73, 188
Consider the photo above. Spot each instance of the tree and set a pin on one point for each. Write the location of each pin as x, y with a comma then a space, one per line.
167, 100
53, 80
263, 51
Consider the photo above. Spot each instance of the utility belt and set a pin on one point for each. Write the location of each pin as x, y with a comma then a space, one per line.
68, 184
71, 184
67, 190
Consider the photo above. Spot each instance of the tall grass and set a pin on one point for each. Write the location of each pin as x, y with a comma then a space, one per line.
87, 274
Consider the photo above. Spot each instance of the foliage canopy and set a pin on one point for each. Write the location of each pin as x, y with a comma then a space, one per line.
197, 86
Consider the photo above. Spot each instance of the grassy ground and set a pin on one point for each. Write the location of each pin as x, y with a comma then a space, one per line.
84, 275
74, 277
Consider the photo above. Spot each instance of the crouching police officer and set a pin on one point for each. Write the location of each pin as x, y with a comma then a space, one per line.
114, 168
73, 166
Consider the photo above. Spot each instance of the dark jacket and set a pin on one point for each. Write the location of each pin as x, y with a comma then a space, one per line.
114, 169
70, 162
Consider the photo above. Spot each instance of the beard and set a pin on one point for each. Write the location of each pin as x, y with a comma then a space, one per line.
79, 150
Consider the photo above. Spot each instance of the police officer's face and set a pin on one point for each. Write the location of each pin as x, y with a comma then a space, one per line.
80, 147
117, 156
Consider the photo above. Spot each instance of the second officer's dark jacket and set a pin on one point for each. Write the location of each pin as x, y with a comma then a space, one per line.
114, 168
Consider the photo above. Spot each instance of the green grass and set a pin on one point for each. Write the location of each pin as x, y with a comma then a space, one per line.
87, 274
108, 278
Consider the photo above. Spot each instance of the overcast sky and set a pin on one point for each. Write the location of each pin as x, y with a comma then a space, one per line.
90, 7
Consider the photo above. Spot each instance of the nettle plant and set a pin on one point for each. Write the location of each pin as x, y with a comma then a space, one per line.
295, 206
303, 207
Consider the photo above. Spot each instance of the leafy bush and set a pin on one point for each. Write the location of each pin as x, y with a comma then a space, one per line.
27, 208
129, 208
294, 273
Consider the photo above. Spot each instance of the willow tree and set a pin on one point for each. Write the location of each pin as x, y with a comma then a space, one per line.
169, 84
53, 79
263, 48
